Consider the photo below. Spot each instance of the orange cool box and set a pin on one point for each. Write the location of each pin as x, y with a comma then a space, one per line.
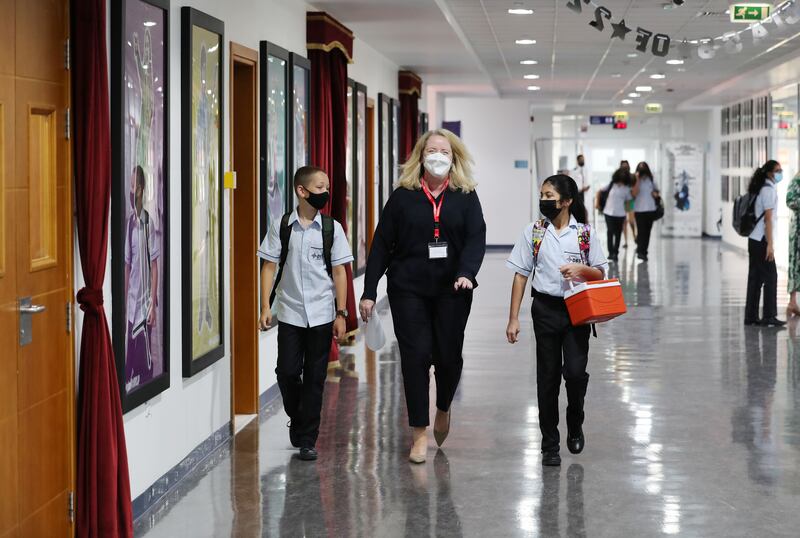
595, 301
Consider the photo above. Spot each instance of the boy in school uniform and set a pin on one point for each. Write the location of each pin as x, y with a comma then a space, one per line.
310, 294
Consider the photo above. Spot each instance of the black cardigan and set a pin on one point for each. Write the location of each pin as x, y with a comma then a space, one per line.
400, 245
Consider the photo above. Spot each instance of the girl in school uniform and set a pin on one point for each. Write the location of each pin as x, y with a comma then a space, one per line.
645, 194
558, 249
619, 193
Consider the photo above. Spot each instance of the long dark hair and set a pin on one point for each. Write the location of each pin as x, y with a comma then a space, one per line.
644, 170
622, 177
760, 177
566, 187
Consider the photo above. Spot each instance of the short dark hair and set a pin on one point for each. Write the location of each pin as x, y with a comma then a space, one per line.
304, 175
138, 172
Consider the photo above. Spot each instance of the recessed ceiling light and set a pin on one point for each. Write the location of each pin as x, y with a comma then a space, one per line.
520, 11
675, 61
531, 77
626, 101
634, 94
680, 70
529, 62
534, 88
632, 55
616, 75
644, 88
525, 41
658, 76
778, 105
149, 24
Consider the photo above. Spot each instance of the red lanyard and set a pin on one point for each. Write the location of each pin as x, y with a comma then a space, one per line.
437, 210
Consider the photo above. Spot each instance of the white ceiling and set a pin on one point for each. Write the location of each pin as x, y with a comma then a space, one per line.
472, 42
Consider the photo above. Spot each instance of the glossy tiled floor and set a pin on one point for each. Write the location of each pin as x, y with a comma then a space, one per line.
693, 429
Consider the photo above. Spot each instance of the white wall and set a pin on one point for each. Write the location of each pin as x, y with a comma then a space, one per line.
164, 430
497, 132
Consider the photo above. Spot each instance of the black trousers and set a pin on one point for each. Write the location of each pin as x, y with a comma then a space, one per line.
561, 350
430, 331
614, 226
302, 368
644, 223
761, 274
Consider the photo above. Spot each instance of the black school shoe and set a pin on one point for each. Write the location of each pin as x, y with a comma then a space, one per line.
551, 459
308, 453
292, 435
772, 322
576, 442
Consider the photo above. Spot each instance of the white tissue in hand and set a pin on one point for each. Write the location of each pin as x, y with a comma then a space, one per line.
375, 337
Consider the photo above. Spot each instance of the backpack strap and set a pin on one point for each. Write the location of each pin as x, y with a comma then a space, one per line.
327, 242
539, 229
584, 236
285, 232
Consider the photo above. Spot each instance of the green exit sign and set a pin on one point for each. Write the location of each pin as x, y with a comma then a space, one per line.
750, 12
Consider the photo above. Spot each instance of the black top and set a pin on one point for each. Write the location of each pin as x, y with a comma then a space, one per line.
400, 245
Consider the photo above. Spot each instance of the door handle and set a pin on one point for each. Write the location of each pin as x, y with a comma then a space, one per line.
32, 309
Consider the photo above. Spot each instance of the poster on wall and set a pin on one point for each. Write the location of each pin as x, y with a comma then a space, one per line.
274, 134
682, 180
202, 57
350, 172
384, 152
139, 211
361, 195
300, 68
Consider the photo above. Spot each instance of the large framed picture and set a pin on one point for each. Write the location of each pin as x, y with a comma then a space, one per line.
350, 166
202, 61
396, 159
275, 190
139, 199
360, 254
300, 75
385, 165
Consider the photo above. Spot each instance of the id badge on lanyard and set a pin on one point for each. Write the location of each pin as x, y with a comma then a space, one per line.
437, 250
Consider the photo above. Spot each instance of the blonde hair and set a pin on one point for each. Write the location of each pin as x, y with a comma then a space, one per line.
460, 172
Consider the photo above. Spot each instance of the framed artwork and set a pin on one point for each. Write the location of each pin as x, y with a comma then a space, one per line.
396, 164
140, 187
360, 253
385, 181
202, 61
350, 166
275, 190
423, 123
300, 71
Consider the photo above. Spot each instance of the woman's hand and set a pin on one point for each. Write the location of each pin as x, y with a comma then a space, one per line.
512, 331
571, 271
770, 253
462, 283
365, 307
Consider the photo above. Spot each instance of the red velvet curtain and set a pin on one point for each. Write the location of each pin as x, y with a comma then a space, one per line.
410, 89
328, 129
103, 506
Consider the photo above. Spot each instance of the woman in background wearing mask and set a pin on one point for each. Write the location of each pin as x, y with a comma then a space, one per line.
557, 249
761, 248
645, 194
430, 242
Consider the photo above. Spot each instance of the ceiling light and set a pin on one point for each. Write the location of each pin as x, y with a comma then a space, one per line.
149, 24
529, 62
675, 61
644, 88
634, 94
626, 101
525, 41
680, 70
534, 88
632, 55
531, 77
519, 11
658, 76
616, 75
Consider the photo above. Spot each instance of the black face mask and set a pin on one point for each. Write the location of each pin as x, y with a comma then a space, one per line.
548, 208
318, 200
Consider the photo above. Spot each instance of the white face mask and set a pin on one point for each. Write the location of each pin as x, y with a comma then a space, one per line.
437, 164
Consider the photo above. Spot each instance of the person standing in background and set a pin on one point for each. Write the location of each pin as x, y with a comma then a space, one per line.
645, 193
618, 194
793, 203
630, 218
579, 175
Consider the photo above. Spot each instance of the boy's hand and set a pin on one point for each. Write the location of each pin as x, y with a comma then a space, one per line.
365, 308
512, 331
339, 327
462, 283
572, 271
266, 319
151, 315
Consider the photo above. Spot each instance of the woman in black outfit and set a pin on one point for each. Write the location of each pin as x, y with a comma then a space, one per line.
645, 203
431, 264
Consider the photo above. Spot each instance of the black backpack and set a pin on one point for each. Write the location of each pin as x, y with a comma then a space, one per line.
604, 195
286, 234
744, 214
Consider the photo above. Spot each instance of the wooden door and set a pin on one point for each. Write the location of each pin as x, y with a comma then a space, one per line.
36, 379
244, 231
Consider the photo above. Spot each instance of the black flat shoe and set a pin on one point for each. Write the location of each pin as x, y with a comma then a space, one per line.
308, 453
751, 323
551, 459
772, 322
292, 435
575, 444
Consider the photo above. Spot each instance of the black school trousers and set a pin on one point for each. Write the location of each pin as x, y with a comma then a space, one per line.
761, 274
302, 368
614, 227
430, 332
562, 350
644, 225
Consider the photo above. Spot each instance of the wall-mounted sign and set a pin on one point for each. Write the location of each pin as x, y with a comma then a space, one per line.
621, 124
601, 120
750, 12
520, 164
653, 108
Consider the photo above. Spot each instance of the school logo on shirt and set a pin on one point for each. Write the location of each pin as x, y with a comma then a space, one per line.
316, 254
